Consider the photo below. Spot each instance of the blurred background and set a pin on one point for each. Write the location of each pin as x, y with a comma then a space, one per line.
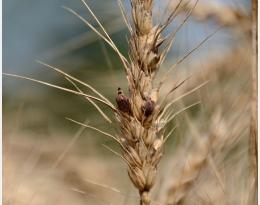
49, 160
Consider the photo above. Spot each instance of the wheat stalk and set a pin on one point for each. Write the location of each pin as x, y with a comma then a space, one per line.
253, 141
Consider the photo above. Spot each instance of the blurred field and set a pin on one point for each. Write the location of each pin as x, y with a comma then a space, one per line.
49, 160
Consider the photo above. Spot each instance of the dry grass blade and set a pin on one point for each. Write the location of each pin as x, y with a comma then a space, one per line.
104, 30
117, 154
109, 187
166, 50
68, 147
184, 109
172, 15
169, 134
80, 41
105, 186
171, 37
62, 88
96, 129
75, 79
186, 18
174, 88
101, 26
91, 101
182, 96
122, 58
177, 86
124, 14
167, 74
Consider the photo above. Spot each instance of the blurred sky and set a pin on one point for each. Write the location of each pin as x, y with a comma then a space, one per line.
32, 28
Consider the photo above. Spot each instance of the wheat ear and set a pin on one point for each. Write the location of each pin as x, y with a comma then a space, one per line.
139, 113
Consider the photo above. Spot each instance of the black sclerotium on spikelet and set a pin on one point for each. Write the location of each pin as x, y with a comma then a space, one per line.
123, 102
148, 108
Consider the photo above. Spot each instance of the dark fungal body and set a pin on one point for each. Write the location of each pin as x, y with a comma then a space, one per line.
123, 102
